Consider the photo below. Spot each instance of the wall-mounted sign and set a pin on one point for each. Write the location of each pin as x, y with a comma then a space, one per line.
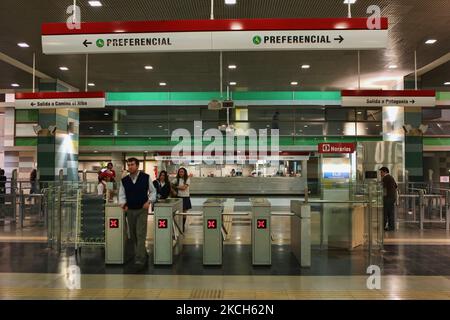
213, 35
336, 147
444, 179
56, 100
383, 98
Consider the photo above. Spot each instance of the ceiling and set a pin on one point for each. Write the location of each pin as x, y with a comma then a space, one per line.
411, 22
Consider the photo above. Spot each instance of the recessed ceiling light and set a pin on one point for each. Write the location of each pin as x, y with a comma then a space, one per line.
106, 114
102, 130
446, 83
305, 126
148, 68
230, 1
162, 84
294, 83
95, 151
91, 84
23, 45
95, 3
63, 68
431, 41
349, 1
306, 66
393, 66
91, 128
232, 66
15, 85
233, 83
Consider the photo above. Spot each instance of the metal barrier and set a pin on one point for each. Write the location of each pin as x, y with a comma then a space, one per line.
426, 203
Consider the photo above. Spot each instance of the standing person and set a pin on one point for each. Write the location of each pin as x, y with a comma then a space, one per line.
181, 184
162, 186
2, 196
111, 172
136, 195
389, 198
33, 181
101, 187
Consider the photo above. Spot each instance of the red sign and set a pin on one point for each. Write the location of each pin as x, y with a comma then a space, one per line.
212, 224
261, 224
113, 223
162, 223
336, 147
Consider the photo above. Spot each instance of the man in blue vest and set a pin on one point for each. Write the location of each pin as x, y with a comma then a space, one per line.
136, 194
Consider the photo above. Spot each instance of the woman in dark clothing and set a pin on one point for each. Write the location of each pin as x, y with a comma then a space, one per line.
162, 186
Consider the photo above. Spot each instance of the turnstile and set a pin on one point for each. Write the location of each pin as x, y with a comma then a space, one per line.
212, 232
117, 247
167, 233
301, 232
261, 232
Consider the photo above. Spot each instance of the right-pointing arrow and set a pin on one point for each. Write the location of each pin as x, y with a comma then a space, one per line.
340, 39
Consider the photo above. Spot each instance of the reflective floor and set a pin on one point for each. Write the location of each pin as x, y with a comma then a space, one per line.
414, 265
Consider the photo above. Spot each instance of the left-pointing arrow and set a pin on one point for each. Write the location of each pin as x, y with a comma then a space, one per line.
33, 104
86, 43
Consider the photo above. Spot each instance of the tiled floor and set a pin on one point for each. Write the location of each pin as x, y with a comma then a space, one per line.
38, 286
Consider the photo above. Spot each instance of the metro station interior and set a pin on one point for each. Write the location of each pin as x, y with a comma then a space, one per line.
298, 213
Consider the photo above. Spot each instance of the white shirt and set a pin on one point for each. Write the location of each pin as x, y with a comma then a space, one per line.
101, 189
183, 193
151, 190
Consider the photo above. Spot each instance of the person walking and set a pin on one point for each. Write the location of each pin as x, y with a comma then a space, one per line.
136, 195
181, 185
389, 198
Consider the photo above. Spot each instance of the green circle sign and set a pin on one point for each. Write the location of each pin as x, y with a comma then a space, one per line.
257, 40
100, 43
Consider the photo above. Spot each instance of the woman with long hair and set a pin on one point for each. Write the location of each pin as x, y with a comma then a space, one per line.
162, 185
181, 184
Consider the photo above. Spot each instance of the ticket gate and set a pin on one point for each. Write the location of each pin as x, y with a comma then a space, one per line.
212, 232
301, 232
167, 234
118, 247
261, 232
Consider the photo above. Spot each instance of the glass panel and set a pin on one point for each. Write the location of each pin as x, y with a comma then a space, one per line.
143, 129
310, 129
344, 114
142, 113
96, 128
334, 128
268, 113
369, 115
96, 114
435, 114
310, 114
286, 128
369, 129
438, 129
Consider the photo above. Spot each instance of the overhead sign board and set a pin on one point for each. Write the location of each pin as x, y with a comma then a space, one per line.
213, 35
382, 98
336, 147
57, 100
